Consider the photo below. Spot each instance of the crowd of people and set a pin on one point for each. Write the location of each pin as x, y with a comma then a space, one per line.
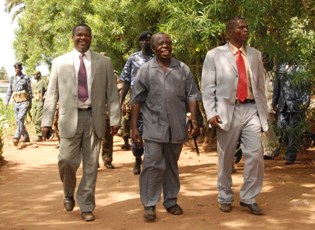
85, 103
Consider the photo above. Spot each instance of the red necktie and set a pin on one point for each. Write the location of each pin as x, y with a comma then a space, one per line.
82, 81
242, 79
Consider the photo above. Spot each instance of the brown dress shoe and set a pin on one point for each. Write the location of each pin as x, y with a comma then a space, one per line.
175, 210
69, 203
225, 207
88, 216
253, 208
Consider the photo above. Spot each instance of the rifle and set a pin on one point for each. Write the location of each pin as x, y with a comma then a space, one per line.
191, 126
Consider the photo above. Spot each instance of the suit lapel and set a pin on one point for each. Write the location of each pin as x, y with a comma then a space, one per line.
229, 56
94, 66
250, 59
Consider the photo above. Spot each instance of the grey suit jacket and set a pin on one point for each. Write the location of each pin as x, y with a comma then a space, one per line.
219, 84
63, 87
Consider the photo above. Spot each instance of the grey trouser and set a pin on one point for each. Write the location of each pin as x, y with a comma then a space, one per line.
160, 172
84, 145
245, 127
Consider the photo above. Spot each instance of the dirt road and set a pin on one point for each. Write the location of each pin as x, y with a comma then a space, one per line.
31, 194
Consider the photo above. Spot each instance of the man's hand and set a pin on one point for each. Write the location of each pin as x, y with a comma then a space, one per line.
193, 131
45, 132
113, 130
215, 121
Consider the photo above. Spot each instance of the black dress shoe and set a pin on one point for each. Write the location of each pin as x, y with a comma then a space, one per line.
68, 203
88, 216
253, 208
149, 213
289, 162
175, 210
109, 165
225, 207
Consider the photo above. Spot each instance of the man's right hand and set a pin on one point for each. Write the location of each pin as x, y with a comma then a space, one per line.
215, 121
45, 132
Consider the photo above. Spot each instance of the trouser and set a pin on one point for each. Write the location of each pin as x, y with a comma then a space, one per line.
160, 172
107, 145
84, 145
37, 116
246, 127
20, 112
291, 133
137, 149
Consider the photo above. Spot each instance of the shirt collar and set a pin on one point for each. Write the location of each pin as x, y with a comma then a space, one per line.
234, 49
87, 54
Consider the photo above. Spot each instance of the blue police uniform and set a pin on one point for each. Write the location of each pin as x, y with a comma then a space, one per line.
21, 91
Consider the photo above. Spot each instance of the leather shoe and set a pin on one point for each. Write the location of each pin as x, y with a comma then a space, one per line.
149, 213
289, 162
68, 203
175, 210
109, 165
253, 208
88, 216
225, 207
27, 139
15, 141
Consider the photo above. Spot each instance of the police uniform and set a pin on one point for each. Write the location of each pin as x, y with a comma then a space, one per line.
21, 91
129, 72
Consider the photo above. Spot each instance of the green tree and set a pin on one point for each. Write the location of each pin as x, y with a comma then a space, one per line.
3, 74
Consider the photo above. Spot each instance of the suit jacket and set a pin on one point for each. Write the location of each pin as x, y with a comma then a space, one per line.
219, 84
63, 87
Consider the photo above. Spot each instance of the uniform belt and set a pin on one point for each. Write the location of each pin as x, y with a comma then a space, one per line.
246, 101
85, 109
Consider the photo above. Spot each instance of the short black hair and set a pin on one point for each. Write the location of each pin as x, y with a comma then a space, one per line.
81, 24
230, 24
154, 36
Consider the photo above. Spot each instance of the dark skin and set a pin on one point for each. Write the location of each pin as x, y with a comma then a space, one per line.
162, 48
81, 38
238, 35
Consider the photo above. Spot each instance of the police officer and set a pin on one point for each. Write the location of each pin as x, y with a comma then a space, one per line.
40, 88
21, 91
128, 77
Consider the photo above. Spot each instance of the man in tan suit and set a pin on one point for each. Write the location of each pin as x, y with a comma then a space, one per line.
81, 115
236, 114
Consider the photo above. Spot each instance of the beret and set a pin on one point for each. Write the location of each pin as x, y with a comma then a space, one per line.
145, 35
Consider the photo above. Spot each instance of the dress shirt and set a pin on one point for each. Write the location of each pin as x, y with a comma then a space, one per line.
87, 63
243, 51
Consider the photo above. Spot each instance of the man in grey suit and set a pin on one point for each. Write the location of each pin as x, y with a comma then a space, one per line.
236, 114
83, 82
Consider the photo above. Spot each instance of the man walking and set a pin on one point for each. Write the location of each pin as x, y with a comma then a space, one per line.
21, 91
83, 83
162, 89
128, 76
39, 89
233, 93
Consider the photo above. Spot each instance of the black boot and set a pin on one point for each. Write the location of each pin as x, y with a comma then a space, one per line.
137, 168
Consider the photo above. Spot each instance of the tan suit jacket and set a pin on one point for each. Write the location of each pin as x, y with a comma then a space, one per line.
63, 88
219, 84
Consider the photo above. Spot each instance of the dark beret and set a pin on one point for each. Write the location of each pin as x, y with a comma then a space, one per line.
18, 64
145, 35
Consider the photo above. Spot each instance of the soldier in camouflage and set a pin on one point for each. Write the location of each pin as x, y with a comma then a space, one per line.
39, 90
21, 91
128, 76
108, 140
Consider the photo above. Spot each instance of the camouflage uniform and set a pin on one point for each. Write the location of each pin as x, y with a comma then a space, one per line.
38, 103
129, 72
107, 144
125, 121
21, 91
